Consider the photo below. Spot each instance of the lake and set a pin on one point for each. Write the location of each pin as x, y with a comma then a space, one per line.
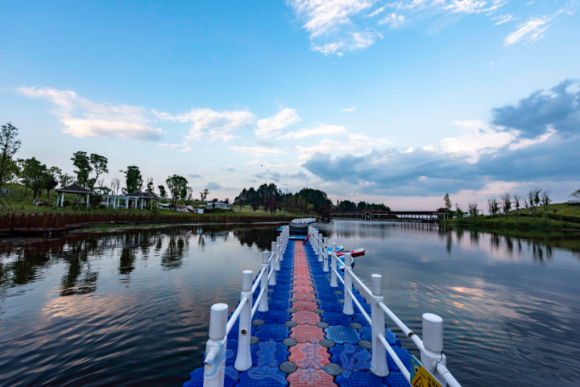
132, 307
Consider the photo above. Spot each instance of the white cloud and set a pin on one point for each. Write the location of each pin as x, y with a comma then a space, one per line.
211, 123
532, 141
256, 150
349, 110
272, 126
503, 19
84, 118
336, 27
479, 138
183, 147
355, 143
530, 31
393, 19
318, 130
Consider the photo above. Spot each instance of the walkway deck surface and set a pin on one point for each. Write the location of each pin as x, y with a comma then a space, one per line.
305, 339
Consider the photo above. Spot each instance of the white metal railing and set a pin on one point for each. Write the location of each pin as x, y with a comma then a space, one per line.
431, 347
220, 326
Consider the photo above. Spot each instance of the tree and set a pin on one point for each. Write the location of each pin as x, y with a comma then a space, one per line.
115, 185
189, 193
506, 199
83, 164
99, 166
203, 194
576, 194
493, 206
162, 191
517, 204
347, 205
546, 201
50, 180
458, 211
447, 202
64, 179
150, 187
133, 179
241, 198
32, 175
177, 185
9, 145
255, 205
473, 210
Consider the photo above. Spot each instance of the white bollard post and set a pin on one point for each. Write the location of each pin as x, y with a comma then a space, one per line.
333, 267
347, 308
272, 281
319, 247
215, 348
325, 253
244, 357
263, 306
280, 248
379, 365
276, 255
433, 343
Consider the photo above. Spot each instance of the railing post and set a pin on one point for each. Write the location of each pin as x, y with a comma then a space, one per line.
272, 269
347, 308
325, 252
276, 255
333, 267
319, 246
215, 348
263, 306
379, 365
280, 247
432, 354
244, 357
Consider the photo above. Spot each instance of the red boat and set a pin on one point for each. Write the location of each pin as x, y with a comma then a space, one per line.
354, 253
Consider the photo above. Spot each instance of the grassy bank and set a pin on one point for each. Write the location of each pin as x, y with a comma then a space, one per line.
559, 216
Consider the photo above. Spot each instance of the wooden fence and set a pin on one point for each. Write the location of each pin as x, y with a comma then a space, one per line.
58, 222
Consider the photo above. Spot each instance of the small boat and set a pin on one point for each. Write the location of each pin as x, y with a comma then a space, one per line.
354, 253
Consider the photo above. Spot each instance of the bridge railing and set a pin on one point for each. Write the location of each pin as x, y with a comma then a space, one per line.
431, 347
220, 326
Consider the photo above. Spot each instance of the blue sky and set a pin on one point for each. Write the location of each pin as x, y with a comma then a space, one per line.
388, 101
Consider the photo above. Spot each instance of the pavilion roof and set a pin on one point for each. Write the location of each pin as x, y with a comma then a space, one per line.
74, 188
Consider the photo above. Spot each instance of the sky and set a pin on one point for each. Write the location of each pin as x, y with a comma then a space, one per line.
394, 102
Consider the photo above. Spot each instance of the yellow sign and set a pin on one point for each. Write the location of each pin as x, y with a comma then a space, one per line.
420, 377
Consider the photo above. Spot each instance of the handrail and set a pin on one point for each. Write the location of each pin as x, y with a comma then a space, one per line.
433, 358
364, 313
395, 357
234, 317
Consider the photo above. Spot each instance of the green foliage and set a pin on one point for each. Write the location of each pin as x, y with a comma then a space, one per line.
162, 191
347, 205
447, 201
177, 185
83, 164
203, 194
133, 179
32, 175
9, 145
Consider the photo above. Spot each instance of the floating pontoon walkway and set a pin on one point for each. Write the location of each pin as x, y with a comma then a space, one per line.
304, 338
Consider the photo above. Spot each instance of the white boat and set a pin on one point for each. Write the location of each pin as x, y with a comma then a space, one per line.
300, 225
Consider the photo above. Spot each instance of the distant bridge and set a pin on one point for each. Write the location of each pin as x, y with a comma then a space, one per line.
428, 216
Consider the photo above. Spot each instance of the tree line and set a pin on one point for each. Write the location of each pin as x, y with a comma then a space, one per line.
89, 169
533, 200
271, 198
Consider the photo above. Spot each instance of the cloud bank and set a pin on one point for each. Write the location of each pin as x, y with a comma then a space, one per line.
522, 149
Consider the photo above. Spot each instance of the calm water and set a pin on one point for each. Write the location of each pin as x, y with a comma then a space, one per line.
132, 308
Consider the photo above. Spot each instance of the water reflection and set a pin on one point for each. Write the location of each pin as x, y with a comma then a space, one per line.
21, 265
